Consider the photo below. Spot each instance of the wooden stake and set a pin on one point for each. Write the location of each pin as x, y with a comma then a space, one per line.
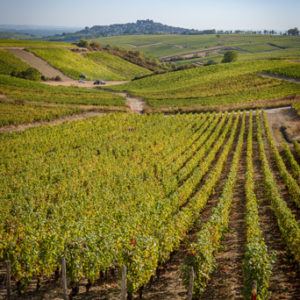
124, 283
191, 284
254, 290
8, 279
64, 278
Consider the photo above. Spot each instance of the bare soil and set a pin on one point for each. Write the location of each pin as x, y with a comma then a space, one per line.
284, 124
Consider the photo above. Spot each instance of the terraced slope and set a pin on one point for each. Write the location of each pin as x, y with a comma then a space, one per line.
222, 84
73, 64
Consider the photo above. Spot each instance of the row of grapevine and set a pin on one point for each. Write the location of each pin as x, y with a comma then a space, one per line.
294, 167
88, 167
297, 147
93, 197
187, 155
205, 247
290, 182
286, 221
172, 225
257, 263
188, 176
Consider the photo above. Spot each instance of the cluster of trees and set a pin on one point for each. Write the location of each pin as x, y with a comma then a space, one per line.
30, 74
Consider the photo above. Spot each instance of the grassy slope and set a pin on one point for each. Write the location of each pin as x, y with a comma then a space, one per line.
117, 65
73, 64
213, 85
20, 89
163, 45
30, 43
9, 63
14, 114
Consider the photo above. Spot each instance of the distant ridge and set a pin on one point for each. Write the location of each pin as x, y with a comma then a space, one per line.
140, 27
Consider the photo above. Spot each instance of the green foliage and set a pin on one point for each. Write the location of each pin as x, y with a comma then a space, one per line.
138, 58
230, 56
20, 89
286, 220
293, 31
18, 113
163, 46
257, 263
29, 74
83, 43
291, 161
201, 253
292, 71
10, 63
212, 85
117, 65
293, 187
296, 105
73, 64
30, 43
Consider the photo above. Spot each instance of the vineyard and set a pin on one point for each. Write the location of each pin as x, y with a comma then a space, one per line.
210, 191
223, 84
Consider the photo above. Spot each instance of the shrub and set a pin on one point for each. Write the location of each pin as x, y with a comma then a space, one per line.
30, 74
230, 56
83, 43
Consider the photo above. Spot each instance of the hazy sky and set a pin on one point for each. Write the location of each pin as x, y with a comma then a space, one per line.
198, 14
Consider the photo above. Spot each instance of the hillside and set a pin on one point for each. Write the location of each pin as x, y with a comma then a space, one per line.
221, 84
73, 64
140, 27
204, 47
117, 65
10, 63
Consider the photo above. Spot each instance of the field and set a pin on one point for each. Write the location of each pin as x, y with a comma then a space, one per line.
216, 85
127, 190
18, 113
163, 46
123, 68
30, 43
20, 89
10, 63
73, 64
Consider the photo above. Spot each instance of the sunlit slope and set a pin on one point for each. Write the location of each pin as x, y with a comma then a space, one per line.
73, 65
117, 65
170, 45
215, 85
10, 63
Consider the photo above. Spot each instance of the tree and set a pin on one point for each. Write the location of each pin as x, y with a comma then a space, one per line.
230, 56
30, 74
293, 31
83, 43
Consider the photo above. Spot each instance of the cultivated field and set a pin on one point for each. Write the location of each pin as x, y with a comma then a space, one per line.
129, 189
218, 191
223, 84
249, 46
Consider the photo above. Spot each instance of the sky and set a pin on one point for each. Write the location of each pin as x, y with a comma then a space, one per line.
197, 14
